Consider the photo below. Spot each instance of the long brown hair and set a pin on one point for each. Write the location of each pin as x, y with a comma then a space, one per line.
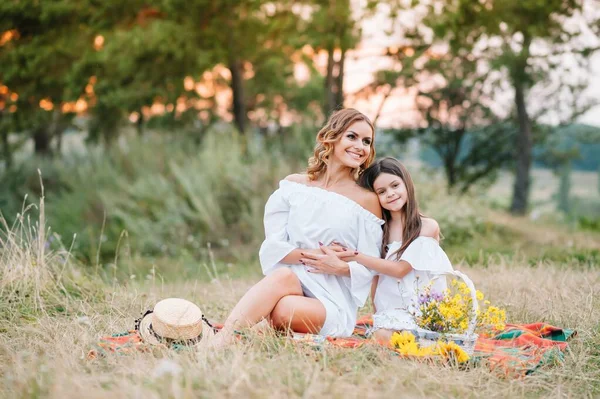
337, 124
412, 215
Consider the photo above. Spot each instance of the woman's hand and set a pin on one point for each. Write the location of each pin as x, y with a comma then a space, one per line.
327, 262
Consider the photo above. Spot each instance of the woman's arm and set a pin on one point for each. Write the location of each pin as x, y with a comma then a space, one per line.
296, 256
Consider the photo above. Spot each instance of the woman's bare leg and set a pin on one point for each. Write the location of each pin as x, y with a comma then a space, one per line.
299, 313
383, 336
258, 302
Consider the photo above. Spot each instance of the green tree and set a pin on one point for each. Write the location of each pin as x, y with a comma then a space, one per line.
562, 145
141, 65
46, 41
254, 39
452, 95
502, 34
335, 28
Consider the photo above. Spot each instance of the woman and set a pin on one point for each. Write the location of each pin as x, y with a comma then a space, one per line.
321, 206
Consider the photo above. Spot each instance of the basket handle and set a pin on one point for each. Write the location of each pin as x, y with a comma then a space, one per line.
474, 302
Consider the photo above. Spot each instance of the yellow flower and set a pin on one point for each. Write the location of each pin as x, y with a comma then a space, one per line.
450, 350
462, 287
479, 295
404, 343
402, 338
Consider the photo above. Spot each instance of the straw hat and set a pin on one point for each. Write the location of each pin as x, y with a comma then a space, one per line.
174, 320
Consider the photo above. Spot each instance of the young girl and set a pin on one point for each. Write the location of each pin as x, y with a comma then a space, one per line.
411, 250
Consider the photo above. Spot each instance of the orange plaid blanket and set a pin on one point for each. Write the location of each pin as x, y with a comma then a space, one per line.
518, 350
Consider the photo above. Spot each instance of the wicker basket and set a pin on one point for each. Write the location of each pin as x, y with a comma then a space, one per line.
467, 340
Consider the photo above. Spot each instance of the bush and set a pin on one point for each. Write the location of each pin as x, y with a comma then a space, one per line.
166, 192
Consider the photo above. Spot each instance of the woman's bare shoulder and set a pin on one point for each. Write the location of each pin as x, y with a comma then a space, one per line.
370, 201
430, 228
298, 178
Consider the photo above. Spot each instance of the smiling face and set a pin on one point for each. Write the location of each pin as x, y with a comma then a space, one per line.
391, 191
354, 145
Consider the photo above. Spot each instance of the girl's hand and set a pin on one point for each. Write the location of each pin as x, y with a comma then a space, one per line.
342, 252
325, 263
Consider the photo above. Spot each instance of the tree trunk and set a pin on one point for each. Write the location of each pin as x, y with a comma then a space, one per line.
6, 151
450, 174
523, 154
41, 141
237, 87
139, 124
339, 95
387, 90
330, 96
57, 128
564, 188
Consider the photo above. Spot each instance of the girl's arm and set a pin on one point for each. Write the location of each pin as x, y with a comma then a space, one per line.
373, 291
334, 262
396, 269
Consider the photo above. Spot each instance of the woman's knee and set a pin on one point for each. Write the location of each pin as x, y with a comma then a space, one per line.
282, 314
286, 280
299, 314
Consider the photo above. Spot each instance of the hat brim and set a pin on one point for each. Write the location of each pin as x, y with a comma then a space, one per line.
145, 332
148, 337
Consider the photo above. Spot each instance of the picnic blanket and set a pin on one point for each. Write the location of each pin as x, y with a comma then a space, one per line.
518, 350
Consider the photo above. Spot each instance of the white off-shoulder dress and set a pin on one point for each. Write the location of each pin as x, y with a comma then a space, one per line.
299, 216
396, 300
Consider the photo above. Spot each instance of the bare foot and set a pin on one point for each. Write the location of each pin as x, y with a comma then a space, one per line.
261, 326
383, 336
221, 340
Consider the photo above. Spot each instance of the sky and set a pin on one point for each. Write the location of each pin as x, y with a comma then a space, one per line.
399, 109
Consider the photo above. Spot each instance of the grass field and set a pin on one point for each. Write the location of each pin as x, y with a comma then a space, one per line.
54, 306
52, 314
45, 356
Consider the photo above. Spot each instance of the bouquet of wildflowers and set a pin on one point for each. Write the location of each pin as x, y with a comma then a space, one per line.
449, 312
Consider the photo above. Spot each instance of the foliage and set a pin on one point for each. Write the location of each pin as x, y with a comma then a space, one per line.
501, 36
44, 47
167, 195
469, 156
454, 98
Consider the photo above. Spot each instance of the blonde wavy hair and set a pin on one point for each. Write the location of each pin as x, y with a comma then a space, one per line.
337, 124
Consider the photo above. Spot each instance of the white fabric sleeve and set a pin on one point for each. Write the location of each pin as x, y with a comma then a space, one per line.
425, 254
370, 235
275, 247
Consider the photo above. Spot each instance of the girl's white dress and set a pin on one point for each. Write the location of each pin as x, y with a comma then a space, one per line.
299, 216
396, 300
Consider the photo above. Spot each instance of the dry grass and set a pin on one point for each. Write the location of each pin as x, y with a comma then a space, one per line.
46, 356
51, 316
